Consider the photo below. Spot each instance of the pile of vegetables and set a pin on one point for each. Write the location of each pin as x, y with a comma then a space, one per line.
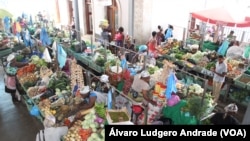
195, 88
210, 65
152, 69
59, 81
91, 129
195, 108
198, 56
100, 110
38, 61
239, 96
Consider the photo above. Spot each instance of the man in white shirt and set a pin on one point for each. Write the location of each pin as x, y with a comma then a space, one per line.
219, 71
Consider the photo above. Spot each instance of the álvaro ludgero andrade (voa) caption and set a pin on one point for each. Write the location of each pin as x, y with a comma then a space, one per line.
182, 132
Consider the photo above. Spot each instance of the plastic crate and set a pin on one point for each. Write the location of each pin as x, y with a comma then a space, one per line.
241, 84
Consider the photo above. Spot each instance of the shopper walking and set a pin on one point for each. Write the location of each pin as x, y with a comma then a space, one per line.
10, 78
219, 71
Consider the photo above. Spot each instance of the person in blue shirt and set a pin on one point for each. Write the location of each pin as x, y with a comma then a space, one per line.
88, 100
169, 32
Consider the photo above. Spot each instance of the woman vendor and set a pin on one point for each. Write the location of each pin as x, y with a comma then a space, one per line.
89, 98
10, 78
141, 86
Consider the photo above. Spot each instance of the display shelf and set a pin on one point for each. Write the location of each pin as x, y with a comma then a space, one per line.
29, 104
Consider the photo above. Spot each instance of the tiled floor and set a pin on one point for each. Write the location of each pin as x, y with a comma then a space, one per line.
16, 124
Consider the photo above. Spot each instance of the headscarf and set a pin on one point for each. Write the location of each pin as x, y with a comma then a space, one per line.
231, 108
85, 90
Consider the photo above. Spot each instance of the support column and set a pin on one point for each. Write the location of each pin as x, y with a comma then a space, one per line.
77, 22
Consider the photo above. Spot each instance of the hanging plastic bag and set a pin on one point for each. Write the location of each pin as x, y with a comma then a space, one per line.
171, 85
223, 48
175, 99
246, 52
35, 111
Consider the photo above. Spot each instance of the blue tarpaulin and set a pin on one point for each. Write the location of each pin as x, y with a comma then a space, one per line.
109, 99
61, 56
44, 37
171, 85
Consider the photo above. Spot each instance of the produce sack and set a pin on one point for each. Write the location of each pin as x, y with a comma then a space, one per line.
175, 99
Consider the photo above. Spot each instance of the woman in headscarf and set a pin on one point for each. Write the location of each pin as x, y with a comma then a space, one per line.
140, 86
10, 78
227, 118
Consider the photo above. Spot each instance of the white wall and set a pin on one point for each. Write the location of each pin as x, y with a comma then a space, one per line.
64, 14
100, 13
82, 19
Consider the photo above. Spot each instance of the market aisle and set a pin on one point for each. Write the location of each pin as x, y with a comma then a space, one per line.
16, 124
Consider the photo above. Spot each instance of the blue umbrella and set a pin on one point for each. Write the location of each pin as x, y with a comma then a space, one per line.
109, 99
61, 56
171, 85
44, 37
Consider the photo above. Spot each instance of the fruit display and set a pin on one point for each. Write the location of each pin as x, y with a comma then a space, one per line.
59, 81
30, 79
90, 129
38, 61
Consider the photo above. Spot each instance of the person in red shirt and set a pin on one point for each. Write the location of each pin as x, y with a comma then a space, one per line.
152, 45
119, 37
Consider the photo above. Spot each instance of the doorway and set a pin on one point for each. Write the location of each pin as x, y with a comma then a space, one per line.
112, 17
88, 12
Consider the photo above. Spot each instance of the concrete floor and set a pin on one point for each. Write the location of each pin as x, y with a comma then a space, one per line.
16, 124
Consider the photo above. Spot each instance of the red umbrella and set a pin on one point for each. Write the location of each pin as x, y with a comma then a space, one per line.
222, 15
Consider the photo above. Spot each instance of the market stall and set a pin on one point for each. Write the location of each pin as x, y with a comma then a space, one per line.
219, 18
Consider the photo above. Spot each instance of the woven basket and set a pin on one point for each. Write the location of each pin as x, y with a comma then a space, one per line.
45, 72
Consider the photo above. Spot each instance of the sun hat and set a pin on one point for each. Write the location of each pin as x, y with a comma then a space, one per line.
104, 78
85, 90
10, 57
231, 108
144, 74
